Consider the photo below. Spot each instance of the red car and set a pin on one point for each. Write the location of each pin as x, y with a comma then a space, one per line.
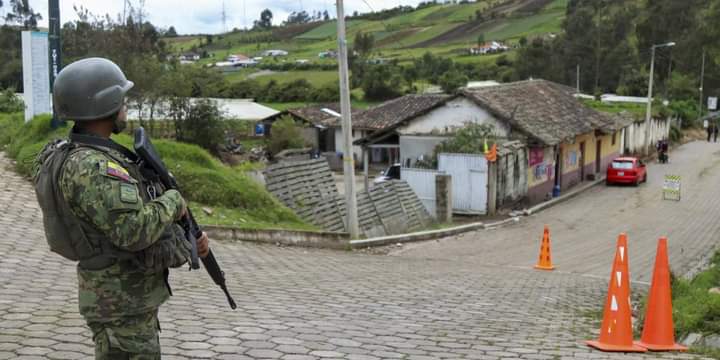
626, 170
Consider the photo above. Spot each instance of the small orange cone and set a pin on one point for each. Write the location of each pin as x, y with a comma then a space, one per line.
545, 260
658, 331
616, 330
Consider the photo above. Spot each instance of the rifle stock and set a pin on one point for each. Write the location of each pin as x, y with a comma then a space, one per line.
151, 160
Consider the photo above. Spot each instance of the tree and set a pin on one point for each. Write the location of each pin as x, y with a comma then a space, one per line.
301, 17
523, 41
382, 82
363, 44
285, 134
171, 32
326, 16
265, 22
198, 123
21, 14
468, 140
452, 80
481, 39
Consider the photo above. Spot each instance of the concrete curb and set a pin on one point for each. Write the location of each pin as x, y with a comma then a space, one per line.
562, 198
329, 240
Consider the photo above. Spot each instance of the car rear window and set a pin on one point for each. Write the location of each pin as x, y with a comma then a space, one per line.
622, 165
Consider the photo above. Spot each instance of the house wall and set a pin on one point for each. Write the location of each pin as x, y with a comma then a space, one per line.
340, 144
454, 115
541, 177
540, 173
311, 137
512, 177
414, 146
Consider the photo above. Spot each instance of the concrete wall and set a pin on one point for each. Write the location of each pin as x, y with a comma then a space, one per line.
310, 137
452, 116
633, 136
540, 173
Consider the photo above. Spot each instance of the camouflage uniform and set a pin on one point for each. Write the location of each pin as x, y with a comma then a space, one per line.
110, 198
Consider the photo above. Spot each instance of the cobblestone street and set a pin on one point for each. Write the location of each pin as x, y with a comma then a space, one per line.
473, 296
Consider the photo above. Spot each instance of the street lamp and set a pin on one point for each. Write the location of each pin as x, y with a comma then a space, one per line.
648, 110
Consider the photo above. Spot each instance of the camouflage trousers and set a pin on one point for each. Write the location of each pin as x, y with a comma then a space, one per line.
129, 338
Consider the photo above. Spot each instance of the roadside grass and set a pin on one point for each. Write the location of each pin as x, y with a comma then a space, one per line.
203, 179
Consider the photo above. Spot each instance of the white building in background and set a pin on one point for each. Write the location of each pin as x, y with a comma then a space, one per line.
481, 84
232, 109
274, 53
610, 98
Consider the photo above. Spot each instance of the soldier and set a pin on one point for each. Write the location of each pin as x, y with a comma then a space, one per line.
100, 210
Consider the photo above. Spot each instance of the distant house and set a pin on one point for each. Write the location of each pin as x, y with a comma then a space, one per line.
327, 54
322, 129
274, 53
490, 47
236, 61
302, 61
377, 61
189, 57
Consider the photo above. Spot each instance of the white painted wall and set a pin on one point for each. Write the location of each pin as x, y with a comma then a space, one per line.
633, 136
450, 117
340, 143
413, 146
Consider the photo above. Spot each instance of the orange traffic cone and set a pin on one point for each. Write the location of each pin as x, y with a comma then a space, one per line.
658, 332
616, 329
545, 260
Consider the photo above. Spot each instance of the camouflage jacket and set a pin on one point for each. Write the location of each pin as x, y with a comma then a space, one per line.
105, 194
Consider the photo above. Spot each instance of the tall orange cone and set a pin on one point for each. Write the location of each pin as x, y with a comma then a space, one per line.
545, 259
616, 330
658, 331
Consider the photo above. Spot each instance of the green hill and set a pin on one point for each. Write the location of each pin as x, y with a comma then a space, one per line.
442, 29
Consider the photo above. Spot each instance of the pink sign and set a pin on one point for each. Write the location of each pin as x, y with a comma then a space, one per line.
537, 156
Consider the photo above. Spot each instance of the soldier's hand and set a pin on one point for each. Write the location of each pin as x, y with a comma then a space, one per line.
203, 245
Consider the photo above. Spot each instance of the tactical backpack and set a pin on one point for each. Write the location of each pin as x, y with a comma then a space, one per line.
64, 235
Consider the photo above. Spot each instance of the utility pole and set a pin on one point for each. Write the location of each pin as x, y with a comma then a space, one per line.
577, 79
648, 110
702, 78
54, 50
348, 158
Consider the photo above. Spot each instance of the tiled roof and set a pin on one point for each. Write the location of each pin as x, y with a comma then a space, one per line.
542, 110
394, 112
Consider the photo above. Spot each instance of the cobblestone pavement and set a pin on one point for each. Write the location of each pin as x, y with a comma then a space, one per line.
584, 230
298, 303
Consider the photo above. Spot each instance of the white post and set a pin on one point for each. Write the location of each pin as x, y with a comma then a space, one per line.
577, 79
348, 158
649, 103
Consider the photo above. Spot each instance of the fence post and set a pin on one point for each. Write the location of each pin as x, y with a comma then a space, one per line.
443, 198
492, 187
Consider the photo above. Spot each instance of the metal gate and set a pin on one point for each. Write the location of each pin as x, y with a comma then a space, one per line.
422, 181
469, 181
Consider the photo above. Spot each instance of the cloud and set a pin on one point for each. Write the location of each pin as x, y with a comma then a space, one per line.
205, 16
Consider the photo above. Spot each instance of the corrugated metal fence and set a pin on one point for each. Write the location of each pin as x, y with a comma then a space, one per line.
422, 181
469, 181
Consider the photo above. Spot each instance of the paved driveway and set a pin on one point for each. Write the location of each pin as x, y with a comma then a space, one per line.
472, 297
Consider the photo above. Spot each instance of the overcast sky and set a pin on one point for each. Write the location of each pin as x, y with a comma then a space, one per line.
205, 16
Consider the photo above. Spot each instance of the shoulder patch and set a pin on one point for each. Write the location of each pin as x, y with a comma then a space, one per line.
114, 169
128, 193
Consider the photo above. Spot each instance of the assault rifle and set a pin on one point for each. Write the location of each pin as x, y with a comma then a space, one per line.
151, 160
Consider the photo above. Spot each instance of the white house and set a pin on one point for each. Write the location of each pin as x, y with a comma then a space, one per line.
488, 48
189, 57
274, 53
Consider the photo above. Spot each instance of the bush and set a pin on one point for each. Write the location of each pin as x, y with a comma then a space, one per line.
200, 123
9, 102
468, 140
285, 134
10, 125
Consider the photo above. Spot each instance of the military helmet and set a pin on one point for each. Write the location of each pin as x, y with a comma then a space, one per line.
89, 89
